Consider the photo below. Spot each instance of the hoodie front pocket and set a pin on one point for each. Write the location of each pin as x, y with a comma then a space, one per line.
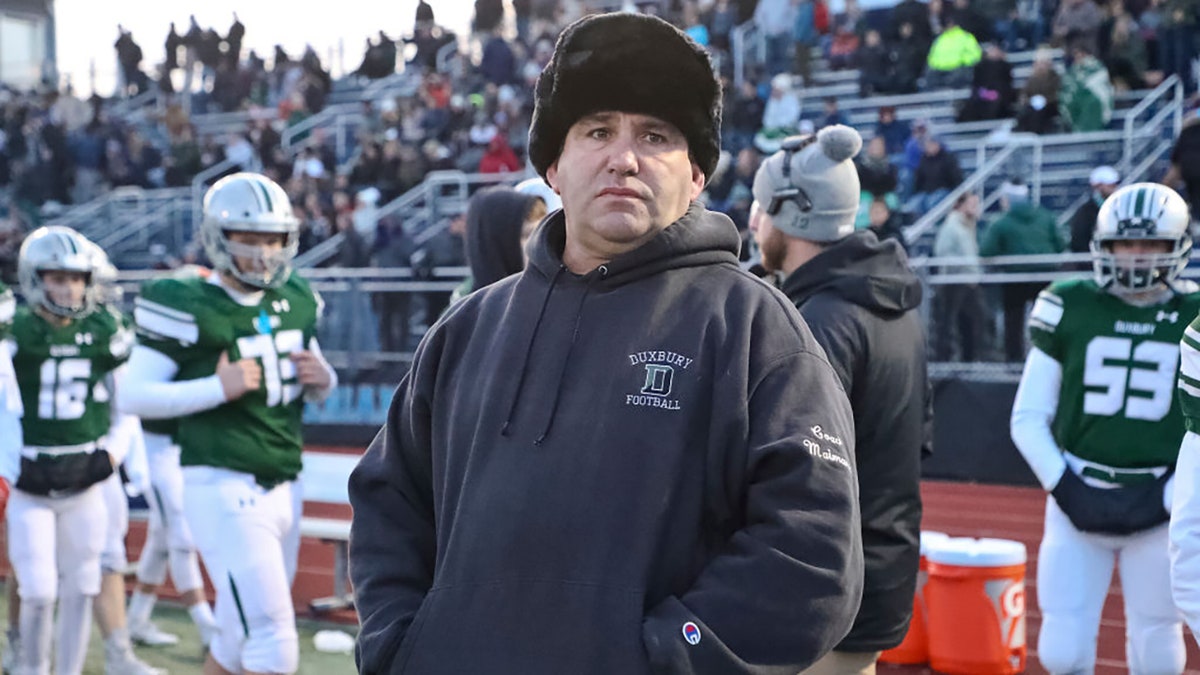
410, 637
527, 627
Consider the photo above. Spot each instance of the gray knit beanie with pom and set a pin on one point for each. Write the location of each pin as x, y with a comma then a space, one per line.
829, 192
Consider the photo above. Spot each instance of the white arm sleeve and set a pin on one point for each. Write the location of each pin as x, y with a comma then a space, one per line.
1185, 532
150, 391
1033, 411
319, 394
11, 435
137, 467
125, 431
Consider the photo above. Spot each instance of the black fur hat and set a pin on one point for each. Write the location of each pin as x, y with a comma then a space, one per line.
628, 63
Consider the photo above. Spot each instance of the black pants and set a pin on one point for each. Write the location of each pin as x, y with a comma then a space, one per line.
393, 310
962, 322
1015, 297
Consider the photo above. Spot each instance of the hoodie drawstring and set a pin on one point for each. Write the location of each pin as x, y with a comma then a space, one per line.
512, 408
562, 373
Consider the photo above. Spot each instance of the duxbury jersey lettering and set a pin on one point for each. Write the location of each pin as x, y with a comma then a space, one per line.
657, 378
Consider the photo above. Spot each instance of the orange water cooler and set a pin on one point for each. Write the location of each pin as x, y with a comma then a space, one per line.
975, 606
915, 648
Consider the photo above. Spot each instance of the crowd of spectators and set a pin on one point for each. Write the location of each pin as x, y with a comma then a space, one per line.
473, 115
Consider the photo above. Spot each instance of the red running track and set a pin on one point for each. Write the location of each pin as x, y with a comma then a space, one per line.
973, 510
958, 509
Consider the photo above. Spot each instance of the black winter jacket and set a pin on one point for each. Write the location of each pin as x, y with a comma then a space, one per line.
493, 241
646, 468
859, 297
937, 172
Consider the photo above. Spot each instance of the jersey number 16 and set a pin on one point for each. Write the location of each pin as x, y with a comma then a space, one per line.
64, 391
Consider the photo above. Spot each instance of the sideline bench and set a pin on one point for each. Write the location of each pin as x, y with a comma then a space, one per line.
325, 477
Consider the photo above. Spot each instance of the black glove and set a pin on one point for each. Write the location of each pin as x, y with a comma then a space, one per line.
1121, 510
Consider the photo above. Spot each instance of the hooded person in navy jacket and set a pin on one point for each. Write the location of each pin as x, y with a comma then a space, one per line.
632, 457
861, 299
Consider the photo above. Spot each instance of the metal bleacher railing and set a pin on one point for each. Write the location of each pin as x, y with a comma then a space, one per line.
423, 211
165, 216
996, 272
1146, 133
364, 361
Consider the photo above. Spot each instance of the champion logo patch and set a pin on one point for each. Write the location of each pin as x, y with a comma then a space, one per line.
691, 633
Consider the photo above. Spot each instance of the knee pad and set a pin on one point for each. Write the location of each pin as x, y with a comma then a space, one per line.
1063, 645
179, 535
152, 566
1156, 647
272, 649
83, 579
226, 650
185, 569
35, 582
112, 558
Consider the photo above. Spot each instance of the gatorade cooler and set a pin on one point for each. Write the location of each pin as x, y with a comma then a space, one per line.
975, 603
915, 648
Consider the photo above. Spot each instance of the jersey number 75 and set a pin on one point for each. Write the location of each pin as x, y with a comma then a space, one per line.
279, 373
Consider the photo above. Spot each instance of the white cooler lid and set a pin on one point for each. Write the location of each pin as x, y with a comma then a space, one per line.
929, 539
969, 552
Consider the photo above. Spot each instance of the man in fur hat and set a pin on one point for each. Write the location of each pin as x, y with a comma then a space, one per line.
631, 457
860, 298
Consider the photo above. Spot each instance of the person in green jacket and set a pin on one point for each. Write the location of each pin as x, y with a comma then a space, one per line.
1086, 98
1025, 229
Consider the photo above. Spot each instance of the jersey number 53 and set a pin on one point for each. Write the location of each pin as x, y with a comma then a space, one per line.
1148, 370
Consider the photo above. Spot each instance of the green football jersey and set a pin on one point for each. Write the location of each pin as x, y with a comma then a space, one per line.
61, 373
1116, 404
192, 321
1189, 376
8, 310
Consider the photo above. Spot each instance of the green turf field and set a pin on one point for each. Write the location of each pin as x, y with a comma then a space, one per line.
185, 658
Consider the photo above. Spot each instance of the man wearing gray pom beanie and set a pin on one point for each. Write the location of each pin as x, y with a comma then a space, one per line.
860, 298
631, 457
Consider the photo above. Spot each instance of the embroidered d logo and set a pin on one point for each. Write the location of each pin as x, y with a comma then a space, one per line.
658, 380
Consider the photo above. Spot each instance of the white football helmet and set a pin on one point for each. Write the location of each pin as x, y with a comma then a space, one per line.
249, 202
57, 248
1141, 211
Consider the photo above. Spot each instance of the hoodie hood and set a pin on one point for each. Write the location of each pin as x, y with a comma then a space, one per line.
700, 237
1022, 210
862, 270
494, 220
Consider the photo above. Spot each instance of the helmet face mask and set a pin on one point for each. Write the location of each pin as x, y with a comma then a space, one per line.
1142, 212
250, 203
65, 291
58, 249
256, 265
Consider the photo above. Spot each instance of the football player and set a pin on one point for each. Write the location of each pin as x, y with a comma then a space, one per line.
66, 350
1185, 509
234, 356
10, 463
125, 440
169, 544
1096, 419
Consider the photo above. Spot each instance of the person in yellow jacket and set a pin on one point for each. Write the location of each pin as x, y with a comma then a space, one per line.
952, 57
